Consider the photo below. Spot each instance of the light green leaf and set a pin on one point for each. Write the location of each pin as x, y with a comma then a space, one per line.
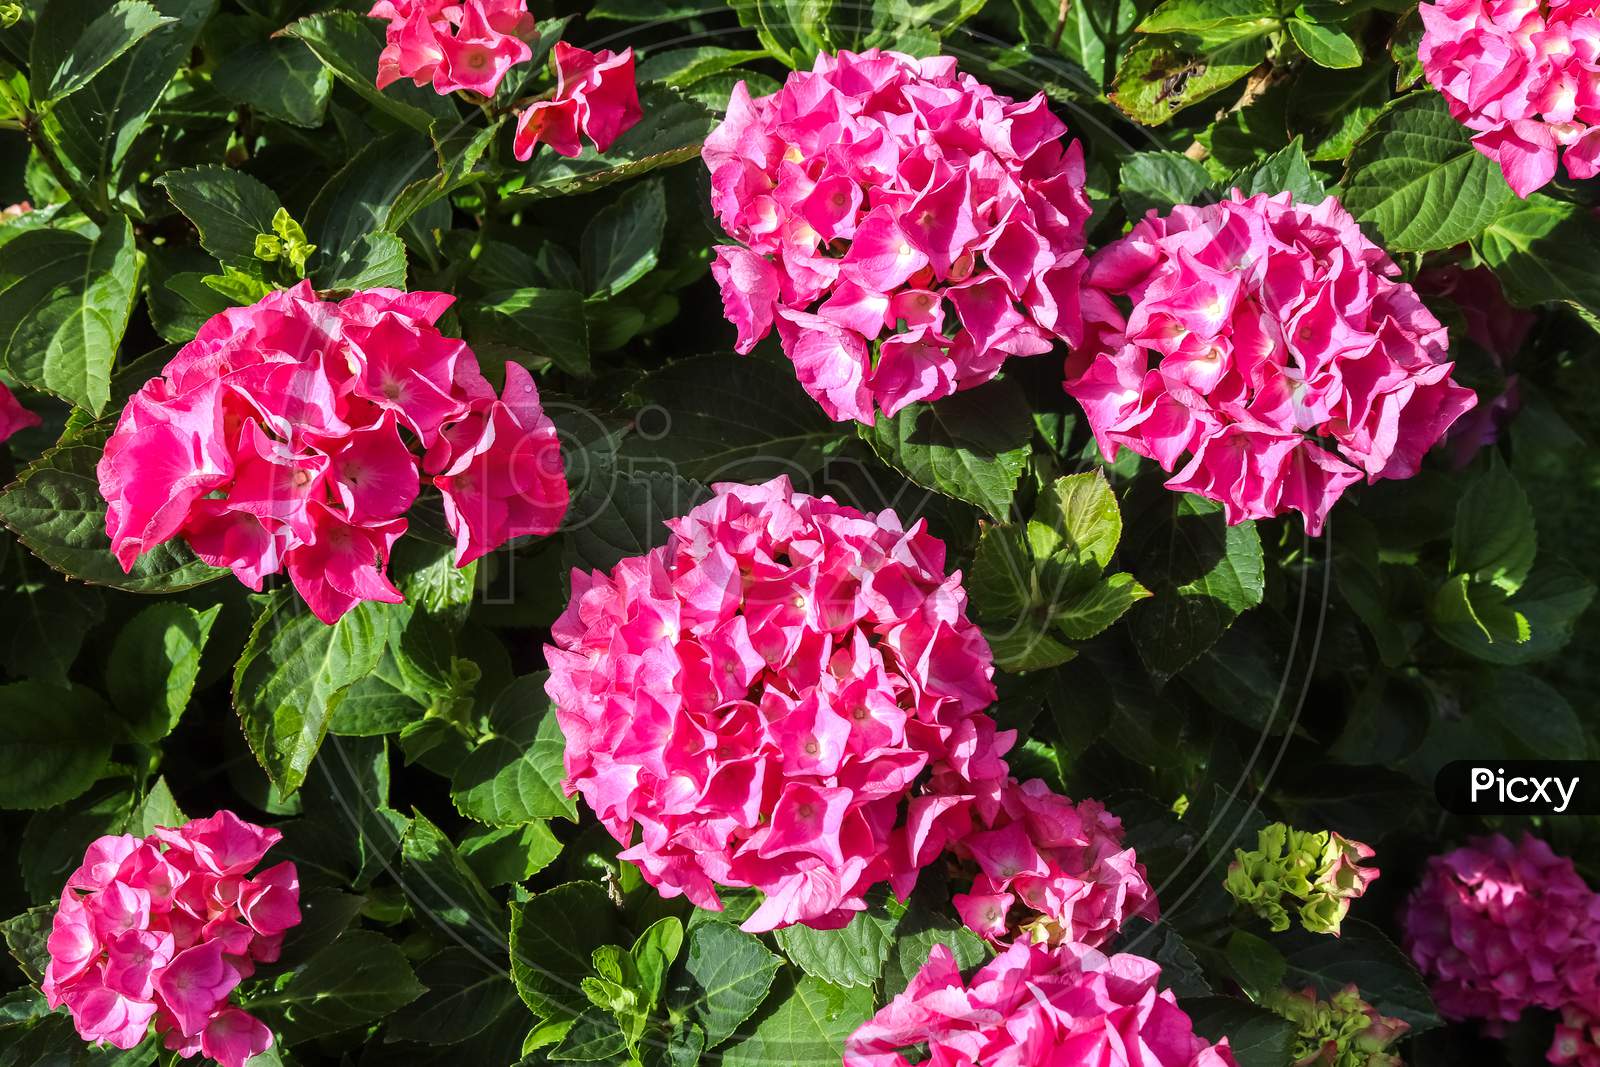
1537, 621
1287, 170
680, 67
505, 854
852, 955
54, 743
1204, 16
1418, 181
154, 662
1324, 45
515, 776
291, 676
621, 242
1084, 615
1077, 516
74, 40
65, 299
971, 446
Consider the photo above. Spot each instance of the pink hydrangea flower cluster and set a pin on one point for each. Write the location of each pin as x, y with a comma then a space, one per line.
1033, 1004
904, 227
763, 696
1523, 74
453, 44
13, 416
163, 928
277, 439
596, 96
1054, 870
1577, 1038
1500, 927
1268, 343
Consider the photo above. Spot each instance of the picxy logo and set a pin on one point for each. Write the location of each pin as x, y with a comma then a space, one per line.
1523, 789
1519, 787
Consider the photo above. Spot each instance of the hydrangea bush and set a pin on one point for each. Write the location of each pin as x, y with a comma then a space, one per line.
731, 532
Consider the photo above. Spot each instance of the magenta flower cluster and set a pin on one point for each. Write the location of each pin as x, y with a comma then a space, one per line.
904, 227
283, 436
760, 695
454, 45
163, 928
13, 416
1499, 928
1033, 1004
1265, 350
1525, 76
596, 96
1054, 869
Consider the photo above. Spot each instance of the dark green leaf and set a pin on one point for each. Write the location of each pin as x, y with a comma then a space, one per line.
154, 662
1539, 250
54, 743
348, 45
75, 40
515, 776
621, 242
360, 978
281, 79
1159, 181
1362, 956
228, 207
553, 936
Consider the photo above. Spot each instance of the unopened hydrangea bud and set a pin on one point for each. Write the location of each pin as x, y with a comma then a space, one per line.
1342, 1031
1316, 869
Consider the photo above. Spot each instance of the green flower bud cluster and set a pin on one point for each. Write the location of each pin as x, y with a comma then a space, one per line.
1342, 1031
1320, 872
286, 243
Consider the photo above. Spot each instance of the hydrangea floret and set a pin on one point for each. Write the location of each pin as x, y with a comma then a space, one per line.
286, 436
902, 226
787, 695
454, 45
13, 416
1321, 872
1035, 1004
1521, 75
161, 930
1498, 927
1342, 1031
1051, 871
596, 97
1264, 351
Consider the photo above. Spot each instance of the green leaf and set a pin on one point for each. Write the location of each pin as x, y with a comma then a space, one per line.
501, 855
1324, 45
360, 978
154, 662
27, 936
928, 921
852, 955
680, 67
515, 776
74, 40
621, 242
1494, 540
65, 299
1418, 181
1086, 614
1256, 1037
1159, 181
1232, 17
96, 127
546, 322
1255, 963
348, 45
1160, 77
1539, 249
1287, 170
623, 513
291, 676
553, 938
1202, 573
54, 743
1360, 955
652, 10
228, 207
723, 417
1078, 516
720, 979
1537, 621
803, 1024
1334, 108
43, 633
1002, 581
465, 995
55, 508
444, 890
671, 132
971, 446
281, 79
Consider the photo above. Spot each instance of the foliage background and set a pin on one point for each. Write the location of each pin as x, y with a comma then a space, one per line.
453, 897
